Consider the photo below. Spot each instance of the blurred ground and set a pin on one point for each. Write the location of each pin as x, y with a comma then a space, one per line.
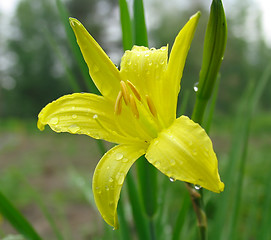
46, 170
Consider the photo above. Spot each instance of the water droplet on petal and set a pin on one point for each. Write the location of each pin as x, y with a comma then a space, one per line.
172, 162
120, 178
54, 120
172, 179
74, 116
74, 128
95, 116
157, 164
106, 188
150, 63
125, 160
119, 156
129, 62
196, 87
111, 179
197, 187
98, 190
146, 55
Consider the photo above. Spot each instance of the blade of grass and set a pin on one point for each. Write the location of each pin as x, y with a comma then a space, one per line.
18, 221
137, 209
181, 217
208, 122
140, 30
64, 16
127, 37
73, 83
237, 158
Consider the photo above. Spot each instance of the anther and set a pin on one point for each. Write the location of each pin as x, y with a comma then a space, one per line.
118, 104
134, 90
151, 106
124, 91
133, 106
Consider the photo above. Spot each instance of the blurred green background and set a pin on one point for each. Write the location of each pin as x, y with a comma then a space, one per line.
52, 171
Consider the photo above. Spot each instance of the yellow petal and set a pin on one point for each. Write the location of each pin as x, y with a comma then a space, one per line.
109, 177
82, 113
145, 69
101, 69
176, 65
185, 152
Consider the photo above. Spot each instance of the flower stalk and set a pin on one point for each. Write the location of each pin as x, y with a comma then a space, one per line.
214, 47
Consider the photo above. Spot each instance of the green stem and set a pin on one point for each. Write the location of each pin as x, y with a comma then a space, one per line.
125, 233
137, 209
152, 229
147, 177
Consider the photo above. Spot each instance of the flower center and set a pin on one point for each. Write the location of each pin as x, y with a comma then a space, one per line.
141, 107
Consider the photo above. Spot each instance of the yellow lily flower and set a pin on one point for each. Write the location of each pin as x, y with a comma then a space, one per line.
137, 110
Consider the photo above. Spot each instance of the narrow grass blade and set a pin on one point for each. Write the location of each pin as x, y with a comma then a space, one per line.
126, 25
181, 217
73, 83
140, 30
208, 122
183, 103
17, 219
264, 231
137, 209
64, 16
235, 168
124, 229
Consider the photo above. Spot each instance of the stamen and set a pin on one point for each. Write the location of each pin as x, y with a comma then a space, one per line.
134, 90
151, 106
133, 106
124, 92
118, 104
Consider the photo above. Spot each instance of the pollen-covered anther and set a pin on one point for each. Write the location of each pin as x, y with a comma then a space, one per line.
118, 104
151, 106
125, 92
133, 106
134, 90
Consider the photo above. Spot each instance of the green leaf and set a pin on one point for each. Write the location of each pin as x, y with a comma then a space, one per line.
17, 219
64, 15
140, 30
126, 25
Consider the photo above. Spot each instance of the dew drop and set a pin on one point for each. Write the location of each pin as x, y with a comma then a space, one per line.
74, 128
162, 61
119, 156
129, 62
157, 163
111, 179
150, 63
197, 187
95, 116
172, 179
172, 162
196, 87
146, 55
94, 68
106, 188
54, 120
125, 160
111, 203
194, 152
74, 116
121, 178
98, 190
